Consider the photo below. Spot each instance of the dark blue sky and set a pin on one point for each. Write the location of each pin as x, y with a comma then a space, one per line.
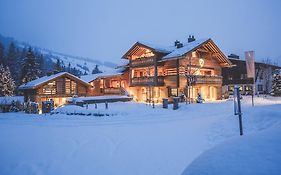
106, 29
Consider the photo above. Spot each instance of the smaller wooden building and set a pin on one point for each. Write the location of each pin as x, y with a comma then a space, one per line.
114, 83
57, 87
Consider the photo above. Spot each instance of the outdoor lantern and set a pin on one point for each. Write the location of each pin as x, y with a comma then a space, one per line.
201, 62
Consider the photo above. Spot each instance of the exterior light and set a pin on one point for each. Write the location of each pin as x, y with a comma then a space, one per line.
194, 54
201, 62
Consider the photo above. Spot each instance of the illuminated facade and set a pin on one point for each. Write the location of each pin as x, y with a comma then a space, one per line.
56, 87
184, 70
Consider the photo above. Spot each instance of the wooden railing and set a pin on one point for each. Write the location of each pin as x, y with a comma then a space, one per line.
207, 79
142, 62
115, 91
147, 81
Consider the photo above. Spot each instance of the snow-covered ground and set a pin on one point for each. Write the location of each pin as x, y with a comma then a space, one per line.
135, 139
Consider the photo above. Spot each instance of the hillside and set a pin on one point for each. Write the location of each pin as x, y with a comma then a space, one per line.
81, 63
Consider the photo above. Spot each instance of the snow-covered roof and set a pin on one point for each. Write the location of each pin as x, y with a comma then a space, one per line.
158, 48
33, 84
187, 47
91, 77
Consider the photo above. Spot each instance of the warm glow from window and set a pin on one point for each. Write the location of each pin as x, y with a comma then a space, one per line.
194, 54
145, 54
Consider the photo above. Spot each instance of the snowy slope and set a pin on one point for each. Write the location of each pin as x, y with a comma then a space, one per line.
137, 139
81, 63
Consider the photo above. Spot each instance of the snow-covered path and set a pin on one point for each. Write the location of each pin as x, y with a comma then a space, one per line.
137, 140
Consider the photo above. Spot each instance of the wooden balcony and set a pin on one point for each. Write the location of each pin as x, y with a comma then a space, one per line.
142, 62
112, 91
147, 81
207, 79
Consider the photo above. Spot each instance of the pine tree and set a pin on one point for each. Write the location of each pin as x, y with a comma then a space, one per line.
69, 67
58, 66
13, 61
2, 58
30, 67
96, 70
41, 63
276, 85
7, 84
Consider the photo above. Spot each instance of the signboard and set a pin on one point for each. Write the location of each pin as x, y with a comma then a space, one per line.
250, 64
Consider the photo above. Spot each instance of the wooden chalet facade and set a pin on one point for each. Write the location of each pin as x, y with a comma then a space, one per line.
56, 87
150, 74
184, 69
107, 84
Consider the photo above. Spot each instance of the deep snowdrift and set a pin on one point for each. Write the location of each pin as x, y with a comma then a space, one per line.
258, 153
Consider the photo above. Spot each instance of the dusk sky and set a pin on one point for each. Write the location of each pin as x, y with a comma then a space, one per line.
106, 29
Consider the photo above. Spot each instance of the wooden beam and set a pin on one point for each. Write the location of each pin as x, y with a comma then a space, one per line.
202, 50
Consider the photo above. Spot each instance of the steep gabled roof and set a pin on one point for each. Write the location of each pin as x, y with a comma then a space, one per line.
138, 47
172, 52
189, 47
40, 81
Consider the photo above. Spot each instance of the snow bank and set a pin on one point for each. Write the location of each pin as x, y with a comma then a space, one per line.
7, 100
88, 111
259, 153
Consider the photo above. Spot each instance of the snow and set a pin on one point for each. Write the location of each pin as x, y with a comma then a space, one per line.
135, 139
7, 100
158, 48
39, 81
103, 97
172, 51
187, 47
258, 153
77, 62
91, 77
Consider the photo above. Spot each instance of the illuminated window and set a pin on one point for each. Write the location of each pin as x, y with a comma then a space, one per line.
172, 92
50, 88
101, 83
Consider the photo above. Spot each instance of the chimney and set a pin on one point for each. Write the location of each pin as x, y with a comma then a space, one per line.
176, 42
191, 38
233, 56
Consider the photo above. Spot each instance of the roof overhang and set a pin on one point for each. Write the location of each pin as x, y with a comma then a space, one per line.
22, 87
139, 48
209, 46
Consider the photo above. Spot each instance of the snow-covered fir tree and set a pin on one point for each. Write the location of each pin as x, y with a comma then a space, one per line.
2, 58
7, 84
30, 67
96, 70
58, 66
276, 85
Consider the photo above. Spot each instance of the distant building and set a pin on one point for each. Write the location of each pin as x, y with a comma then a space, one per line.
237, 75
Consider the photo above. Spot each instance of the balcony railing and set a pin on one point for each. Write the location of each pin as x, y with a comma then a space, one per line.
113, 91
147, 81
207, 79
141, 62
